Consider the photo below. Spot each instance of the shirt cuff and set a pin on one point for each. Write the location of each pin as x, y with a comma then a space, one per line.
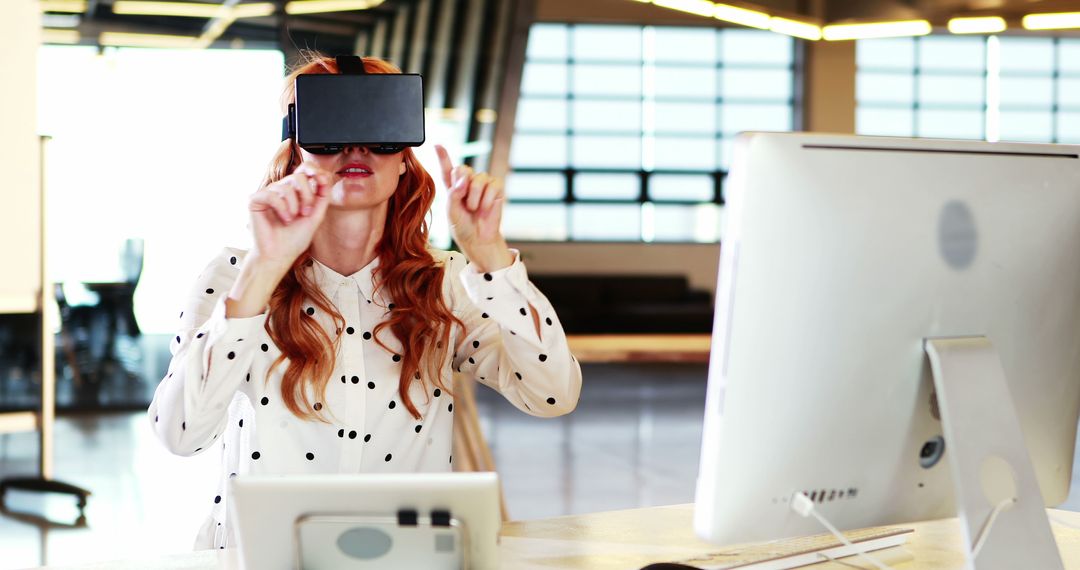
497, 284
231, 330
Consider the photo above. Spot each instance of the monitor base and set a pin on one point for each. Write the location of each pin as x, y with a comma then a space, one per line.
997, 493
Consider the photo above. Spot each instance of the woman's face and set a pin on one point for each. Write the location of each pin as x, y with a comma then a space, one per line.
365, 179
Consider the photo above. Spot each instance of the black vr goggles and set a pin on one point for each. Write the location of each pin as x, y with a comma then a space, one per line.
382, 111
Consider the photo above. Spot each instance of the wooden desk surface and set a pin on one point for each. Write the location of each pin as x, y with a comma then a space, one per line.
640, 347
628, 540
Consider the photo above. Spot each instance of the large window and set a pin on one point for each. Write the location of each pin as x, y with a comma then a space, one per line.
159, 145
924, 87
996, 88
625, 132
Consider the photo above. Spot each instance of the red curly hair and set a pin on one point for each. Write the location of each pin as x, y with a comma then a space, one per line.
420, 320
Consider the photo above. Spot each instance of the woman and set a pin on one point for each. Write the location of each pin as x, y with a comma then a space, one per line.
329, 346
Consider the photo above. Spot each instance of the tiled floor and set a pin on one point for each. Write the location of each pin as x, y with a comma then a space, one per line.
633, 441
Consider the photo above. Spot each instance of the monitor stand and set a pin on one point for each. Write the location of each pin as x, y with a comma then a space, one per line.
991, 470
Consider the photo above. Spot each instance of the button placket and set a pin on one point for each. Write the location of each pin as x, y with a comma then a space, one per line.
352, 364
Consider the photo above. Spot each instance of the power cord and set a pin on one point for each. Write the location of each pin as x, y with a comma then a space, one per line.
802, 505
985, 532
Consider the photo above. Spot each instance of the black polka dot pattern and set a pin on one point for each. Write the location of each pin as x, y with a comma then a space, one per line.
217, 499
298, 445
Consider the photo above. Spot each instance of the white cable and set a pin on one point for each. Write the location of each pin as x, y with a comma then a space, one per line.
985, 532
802, 504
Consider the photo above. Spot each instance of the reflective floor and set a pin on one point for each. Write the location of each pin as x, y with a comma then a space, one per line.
632, 442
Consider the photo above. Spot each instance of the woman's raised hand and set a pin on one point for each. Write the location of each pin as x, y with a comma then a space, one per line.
476, 205
286, 213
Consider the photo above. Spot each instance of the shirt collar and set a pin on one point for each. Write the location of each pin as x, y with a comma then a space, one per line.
329, 280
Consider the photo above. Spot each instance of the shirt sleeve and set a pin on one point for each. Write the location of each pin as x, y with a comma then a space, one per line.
500, 346
211, 358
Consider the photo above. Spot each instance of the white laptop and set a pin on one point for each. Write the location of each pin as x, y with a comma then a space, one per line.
437, 521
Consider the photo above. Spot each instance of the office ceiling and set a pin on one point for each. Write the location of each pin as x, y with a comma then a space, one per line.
337, 32
334, 32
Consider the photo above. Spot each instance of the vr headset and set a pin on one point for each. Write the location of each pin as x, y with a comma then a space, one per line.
384, 112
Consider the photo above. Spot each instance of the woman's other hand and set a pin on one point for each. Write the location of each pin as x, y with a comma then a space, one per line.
476, 204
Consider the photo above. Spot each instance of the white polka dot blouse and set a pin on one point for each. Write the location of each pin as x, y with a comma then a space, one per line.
216, 394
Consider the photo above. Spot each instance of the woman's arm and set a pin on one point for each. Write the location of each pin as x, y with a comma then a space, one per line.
513, 341
212, 356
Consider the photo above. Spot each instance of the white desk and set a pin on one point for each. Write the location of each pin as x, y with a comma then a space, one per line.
627, 540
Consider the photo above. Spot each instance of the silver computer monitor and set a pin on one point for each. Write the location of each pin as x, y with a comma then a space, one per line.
841, 255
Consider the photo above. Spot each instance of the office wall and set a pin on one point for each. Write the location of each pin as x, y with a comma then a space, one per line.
699, 262
19, 157
829, 87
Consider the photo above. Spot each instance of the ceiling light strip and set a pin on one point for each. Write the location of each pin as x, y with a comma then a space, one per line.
1056, 21
987, 25
907, 28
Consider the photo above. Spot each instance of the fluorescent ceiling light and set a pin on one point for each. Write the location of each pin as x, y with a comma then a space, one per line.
186, 9
60, 20
876, 30
51, 36
486, 116
1058, 21
73, 6
146, 40
988, 25
699, 7
742, 16
253, 10
192, 9
795, 28
318, 6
